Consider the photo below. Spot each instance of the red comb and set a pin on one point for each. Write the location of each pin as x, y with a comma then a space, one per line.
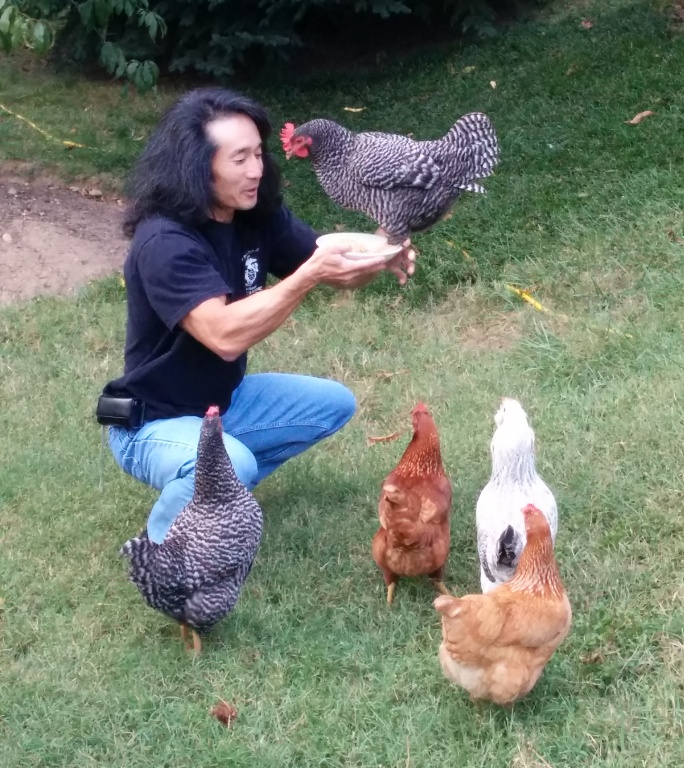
286, 134
212, 411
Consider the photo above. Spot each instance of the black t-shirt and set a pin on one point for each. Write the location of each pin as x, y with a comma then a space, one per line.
170, 270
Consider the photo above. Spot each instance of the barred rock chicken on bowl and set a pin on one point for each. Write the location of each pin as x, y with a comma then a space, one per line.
363, 245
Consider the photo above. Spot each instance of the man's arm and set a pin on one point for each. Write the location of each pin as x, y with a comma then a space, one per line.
230, 329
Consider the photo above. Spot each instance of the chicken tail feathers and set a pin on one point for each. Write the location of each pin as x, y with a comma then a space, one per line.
477, 149
137, 549
508, 547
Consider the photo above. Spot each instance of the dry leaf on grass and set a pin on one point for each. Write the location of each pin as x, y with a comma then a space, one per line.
638, 118
672, 235
492, 83
591, 657
390, 374
525, 296
586, 24
467, 70
384, 438
354, 109
224, 712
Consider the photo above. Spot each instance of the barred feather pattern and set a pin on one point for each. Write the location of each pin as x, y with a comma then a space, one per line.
402, 184
195, 575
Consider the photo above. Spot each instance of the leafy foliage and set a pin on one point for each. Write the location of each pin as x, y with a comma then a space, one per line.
18, 27
131, 38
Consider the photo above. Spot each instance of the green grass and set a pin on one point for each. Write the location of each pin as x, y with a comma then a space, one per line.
322, 674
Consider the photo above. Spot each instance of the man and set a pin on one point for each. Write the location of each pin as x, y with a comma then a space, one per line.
207, 225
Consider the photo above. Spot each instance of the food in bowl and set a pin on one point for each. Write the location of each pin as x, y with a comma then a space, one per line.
363, 245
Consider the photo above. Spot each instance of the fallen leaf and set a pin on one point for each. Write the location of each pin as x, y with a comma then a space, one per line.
591, 657
586, 24
571, 70
447, 216
224, 712
525, 296
469, 69
492, 83
384, 438
674, 237
390, 374
354, 109
465, 253
638, 118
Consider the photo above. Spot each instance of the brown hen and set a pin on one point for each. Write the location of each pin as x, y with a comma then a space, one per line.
413, 538
496, 645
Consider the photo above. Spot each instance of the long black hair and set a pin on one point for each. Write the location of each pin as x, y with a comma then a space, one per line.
173, 177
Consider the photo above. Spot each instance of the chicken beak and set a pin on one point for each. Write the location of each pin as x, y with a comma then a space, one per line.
288, 153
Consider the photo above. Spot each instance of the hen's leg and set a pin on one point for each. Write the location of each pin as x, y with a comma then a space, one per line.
396, 232
391, 583
196, 640
436, 576
196, 643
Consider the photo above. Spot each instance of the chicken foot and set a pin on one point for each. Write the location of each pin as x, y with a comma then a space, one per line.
436, 577
196, 640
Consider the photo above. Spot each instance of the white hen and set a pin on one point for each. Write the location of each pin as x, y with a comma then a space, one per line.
514, 484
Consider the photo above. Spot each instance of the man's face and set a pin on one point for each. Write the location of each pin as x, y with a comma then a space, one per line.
237, 166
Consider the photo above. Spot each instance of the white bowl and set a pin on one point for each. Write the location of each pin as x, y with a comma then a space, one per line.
364, 246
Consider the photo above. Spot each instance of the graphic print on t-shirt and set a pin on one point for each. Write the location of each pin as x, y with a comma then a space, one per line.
251, 264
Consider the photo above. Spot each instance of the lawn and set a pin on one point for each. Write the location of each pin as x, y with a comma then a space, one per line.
585, 211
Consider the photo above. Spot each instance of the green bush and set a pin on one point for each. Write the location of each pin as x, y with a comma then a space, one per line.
132, 38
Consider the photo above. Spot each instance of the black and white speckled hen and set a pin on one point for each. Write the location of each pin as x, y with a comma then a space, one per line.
195, 575
402, 184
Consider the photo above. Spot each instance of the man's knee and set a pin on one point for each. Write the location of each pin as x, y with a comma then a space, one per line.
243, 461
343, 402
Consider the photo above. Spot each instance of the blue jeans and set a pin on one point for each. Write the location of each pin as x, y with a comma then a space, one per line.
272, 417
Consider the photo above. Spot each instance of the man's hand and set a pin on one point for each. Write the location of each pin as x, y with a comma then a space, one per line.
403, 264
329, 266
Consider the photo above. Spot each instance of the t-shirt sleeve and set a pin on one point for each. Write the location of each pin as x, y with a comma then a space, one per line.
178, 275
292, 244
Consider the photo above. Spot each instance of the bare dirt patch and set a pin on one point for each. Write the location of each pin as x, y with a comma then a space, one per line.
498, 333
55, 239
